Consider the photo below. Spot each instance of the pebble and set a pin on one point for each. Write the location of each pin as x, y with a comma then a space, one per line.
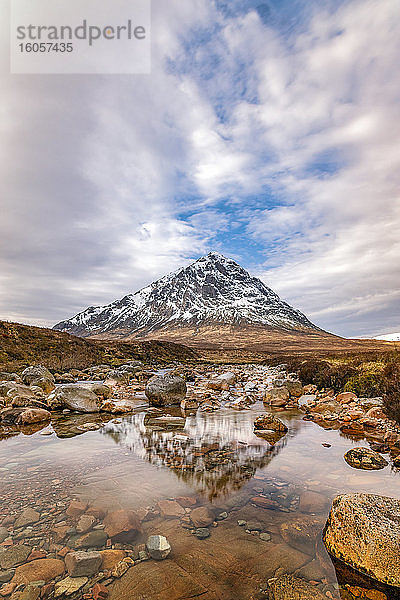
202, 533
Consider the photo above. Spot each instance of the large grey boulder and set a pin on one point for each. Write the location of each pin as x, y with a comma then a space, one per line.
363, 531
75, 397
40, 376
165, 390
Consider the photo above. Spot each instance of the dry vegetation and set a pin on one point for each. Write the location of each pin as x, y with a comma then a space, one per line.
23, 345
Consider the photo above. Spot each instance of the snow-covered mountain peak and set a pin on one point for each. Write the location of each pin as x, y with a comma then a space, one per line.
213, 290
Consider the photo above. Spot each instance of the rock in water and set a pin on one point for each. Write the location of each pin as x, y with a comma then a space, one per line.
165, 390
288, 587
363, 530
158, 547
365, 458
269, 422
277, 396
75, 397
39, 376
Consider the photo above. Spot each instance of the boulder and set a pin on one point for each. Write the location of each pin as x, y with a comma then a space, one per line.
363, 531
33, 415
222, 382
158, 547
116, 377
346, 397
39, 376
83, 564
76, 397
202, 516
365, 458
101, 390
302, 533
165, 390
269, 422
276, 396
122, 525
294, 386
43, 569
289, 587
110, 558
30, 374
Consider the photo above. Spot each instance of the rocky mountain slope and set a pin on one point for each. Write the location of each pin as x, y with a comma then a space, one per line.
212, 291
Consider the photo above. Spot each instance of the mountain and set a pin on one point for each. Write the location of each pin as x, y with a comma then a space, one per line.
213, 291
390, 337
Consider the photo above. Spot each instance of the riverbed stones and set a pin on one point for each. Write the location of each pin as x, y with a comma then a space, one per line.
14, 555
312, 502
346, 397
222, 382
83, 564
170, 509
110, 558
43, 569
202, 533
365, 458
276, 396
202, 516
122, 525
363, 531
289, 587
158, 547
85, 523
302, 533
75, 397
39, 376
27, 517
69, 585
165, 390
94, 539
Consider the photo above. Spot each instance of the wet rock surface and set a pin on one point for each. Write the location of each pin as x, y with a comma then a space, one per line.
363, 530
365, 458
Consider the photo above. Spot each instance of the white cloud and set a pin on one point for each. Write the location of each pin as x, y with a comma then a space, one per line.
99, 171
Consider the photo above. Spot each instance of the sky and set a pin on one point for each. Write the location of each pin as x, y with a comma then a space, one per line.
267, 131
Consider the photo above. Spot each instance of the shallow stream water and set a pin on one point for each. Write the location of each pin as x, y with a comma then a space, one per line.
136, 461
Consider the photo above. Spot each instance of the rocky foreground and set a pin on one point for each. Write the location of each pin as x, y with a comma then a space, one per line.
78, 550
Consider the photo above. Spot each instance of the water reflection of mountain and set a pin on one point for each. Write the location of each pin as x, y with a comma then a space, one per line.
215, 453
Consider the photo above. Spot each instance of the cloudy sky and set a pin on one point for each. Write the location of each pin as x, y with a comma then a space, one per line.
269, 132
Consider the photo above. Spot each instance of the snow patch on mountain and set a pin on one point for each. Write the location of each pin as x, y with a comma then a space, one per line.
212, 290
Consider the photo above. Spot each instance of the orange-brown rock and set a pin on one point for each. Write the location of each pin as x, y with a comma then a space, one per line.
363, 531
111, 558
346, 397
43, 569
170, 508
76, 508
122, 525
202, 516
